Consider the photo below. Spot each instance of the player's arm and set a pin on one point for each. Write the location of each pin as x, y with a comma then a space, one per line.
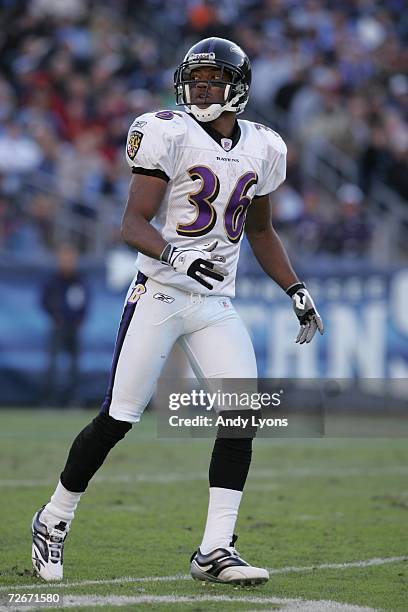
266, 244
273, 258
146, 194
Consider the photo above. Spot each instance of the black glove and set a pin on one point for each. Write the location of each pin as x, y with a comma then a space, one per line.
196, 263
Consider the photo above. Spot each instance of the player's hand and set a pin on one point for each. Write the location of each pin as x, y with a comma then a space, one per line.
306, 312
199, 264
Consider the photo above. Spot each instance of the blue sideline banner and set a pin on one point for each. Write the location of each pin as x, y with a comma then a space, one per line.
364, 310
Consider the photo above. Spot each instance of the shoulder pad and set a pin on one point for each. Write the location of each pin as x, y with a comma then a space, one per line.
163, 121
272, 138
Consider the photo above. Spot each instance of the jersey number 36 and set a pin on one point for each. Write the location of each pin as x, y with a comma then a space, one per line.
206, 215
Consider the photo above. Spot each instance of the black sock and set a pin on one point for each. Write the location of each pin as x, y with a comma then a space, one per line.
230, 461
89, 450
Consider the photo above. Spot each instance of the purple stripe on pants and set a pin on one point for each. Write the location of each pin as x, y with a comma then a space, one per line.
123, 327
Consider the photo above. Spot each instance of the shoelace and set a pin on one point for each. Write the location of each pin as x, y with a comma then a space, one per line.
231, 546
56, 538
233, 552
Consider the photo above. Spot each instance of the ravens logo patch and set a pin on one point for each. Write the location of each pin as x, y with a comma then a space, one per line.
133, 143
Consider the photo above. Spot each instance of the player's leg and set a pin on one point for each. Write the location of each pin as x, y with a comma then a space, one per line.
140, 352
224, 349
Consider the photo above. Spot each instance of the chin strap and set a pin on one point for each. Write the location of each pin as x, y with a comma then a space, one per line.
215, 110
206, 114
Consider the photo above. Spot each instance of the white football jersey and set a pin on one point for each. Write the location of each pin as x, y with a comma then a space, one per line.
211, 183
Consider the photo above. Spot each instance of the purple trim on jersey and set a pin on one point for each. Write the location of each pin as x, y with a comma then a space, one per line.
165, 114
127, 315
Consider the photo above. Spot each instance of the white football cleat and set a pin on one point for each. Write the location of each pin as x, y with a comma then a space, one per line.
48, 548
224, 565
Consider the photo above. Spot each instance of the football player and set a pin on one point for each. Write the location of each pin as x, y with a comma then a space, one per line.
200, 179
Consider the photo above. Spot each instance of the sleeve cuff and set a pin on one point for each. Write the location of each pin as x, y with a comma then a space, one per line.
157, 173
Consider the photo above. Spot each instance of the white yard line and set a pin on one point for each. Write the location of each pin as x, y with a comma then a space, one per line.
176, 577
260, 474
82, 601
351, 564
80, 583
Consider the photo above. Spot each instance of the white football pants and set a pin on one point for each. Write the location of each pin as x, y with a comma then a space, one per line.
154, 318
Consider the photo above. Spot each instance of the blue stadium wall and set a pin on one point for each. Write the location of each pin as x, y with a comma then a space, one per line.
364, 309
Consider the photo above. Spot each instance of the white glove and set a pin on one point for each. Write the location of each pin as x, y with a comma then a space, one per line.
306, 312
196, 263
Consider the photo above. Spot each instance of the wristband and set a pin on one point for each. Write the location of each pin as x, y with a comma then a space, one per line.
294, 288
166, 253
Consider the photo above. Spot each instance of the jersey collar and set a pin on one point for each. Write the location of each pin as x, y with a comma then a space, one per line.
215, 135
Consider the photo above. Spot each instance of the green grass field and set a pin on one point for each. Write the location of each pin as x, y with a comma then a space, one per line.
328, 517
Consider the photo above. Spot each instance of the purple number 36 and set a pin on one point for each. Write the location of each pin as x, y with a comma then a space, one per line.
206, 215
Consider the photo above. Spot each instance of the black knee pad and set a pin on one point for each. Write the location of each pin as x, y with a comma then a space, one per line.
230, 461
109, 430
89, 450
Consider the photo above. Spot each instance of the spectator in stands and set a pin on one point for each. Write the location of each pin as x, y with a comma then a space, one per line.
64, 298
349, 234
397, 175
19, 153
73, 76
310, 228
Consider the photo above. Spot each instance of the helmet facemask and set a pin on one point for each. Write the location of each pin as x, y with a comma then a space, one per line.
233, 98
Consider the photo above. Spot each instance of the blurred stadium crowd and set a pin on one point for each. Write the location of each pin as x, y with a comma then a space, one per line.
75, 73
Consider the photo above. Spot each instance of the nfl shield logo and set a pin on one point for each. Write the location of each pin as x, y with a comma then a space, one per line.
226, 143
